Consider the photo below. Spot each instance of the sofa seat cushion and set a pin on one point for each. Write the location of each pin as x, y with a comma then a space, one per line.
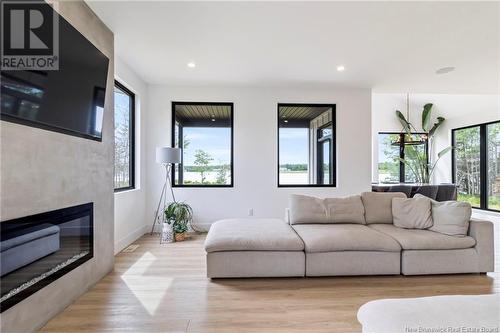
416, 239
252, 235
344, 237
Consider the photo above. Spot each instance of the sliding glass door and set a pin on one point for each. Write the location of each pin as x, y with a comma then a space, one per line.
493, 148
476, 165
467, 165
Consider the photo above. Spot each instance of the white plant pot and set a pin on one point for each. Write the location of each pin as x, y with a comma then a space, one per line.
167, 233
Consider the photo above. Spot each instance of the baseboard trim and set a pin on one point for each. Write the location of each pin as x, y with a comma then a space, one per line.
202, 227
130, 238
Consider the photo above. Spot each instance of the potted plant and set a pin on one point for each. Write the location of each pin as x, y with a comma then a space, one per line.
420, 165
179, 214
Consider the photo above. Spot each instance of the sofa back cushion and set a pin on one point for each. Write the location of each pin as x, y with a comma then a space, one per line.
378, 206
413, 213
450, 217
306, 209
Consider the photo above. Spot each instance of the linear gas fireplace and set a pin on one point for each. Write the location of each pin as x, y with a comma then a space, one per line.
38, 249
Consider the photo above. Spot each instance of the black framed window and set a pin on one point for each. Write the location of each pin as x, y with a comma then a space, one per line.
324, 154
124, 138
204, 132
306, 145
476, 164
393, 147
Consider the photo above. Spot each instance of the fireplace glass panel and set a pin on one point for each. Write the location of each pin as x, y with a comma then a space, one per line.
36, 250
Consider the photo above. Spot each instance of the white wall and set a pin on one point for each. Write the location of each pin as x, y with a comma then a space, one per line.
255, 147
459, 111
130, 206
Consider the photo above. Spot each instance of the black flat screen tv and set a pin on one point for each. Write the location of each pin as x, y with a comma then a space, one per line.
69, 100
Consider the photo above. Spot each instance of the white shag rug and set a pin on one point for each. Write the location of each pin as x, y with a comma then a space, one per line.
437, 314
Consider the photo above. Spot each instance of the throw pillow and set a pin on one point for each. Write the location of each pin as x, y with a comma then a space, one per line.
378, 206
450, 217
346, 210
414, 213
306, 209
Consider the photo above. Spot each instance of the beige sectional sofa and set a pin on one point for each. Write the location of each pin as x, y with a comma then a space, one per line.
348, 236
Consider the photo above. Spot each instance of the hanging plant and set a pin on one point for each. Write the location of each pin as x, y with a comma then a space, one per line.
422, 166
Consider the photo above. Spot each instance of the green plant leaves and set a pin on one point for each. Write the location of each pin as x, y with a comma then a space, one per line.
444, 151
180, 214
170, 212
440, 121
402, 119
415, 160
180, 228
426, 116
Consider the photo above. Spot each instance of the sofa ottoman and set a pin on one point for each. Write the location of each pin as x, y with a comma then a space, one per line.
254, 248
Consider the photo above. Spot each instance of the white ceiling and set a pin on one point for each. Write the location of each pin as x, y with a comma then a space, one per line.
389, 46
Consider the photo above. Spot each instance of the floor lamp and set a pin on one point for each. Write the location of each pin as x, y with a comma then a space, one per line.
167, 157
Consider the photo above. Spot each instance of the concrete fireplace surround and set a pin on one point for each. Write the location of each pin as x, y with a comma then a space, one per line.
43, 171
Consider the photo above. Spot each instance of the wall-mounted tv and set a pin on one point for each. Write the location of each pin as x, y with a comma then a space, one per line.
69, 100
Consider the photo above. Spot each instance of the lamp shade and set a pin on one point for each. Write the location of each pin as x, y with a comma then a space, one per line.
165, 155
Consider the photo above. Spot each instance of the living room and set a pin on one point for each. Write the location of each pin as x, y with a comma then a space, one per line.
239, 166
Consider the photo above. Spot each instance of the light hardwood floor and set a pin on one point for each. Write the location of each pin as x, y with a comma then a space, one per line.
163, 288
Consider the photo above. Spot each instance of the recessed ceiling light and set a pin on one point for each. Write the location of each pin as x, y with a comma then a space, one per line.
340, 68
191, 64
285, 121
445, 70
213, 119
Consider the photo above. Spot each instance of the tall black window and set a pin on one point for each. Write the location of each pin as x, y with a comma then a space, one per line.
395, 147
124, 137
476, 164
306, 145
325, 155
204, 132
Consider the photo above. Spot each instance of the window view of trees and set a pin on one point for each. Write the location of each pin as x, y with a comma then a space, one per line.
207, 156
467, 165
202, 161
124, 104
389, 155
388, 159
413, 155
477, 175
204, 132
493, 145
